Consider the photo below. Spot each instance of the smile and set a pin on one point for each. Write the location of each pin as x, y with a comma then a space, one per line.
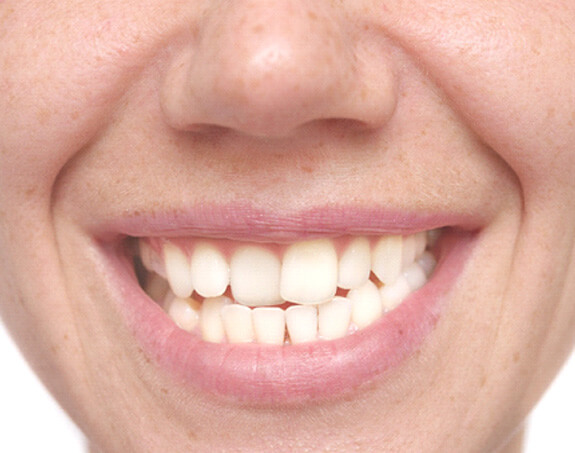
267, 309
321, 289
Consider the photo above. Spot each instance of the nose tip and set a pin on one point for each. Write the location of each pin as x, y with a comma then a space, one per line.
269, 68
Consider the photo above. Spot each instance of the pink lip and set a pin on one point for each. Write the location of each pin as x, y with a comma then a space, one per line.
260, 374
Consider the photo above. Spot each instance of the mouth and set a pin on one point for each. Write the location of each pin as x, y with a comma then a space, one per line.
260, 320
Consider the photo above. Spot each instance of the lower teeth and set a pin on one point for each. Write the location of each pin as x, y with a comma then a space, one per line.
221, 319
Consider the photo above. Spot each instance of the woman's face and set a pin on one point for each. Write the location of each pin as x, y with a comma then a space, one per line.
289, 151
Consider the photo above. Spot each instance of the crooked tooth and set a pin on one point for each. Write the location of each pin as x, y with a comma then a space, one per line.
309, 272
387, 258
355, 264
184, 312
269, 325
238, 324
156, 287
393, 294
150, 259
255, 276
334, 318
210, 271
427, 262
415, 276
178, 271
301, 321
367, 306
211, 323
420, 243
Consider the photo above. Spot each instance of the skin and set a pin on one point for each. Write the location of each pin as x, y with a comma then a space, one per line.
429, 106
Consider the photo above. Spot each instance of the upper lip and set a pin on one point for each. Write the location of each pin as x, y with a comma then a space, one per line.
244, 222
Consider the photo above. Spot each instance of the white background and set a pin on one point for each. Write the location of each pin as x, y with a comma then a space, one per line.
31, 422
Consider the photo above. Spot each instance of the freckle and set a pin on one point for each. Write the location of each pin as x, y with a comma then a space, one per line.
257, 29
164, 391
312, 15
483, 381
307, 169
516, 357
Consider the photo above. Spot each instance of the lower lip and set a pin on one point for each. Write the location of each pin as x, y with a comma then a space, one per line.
275, 375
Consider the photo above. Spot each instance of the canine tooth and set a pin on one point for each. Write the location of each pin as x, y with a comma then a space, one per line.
184, 312
334, 318
269, 325
255, 276
150, 259
427, 262
238, 324
408, 251
415, 276
177, 270
366, 302
433, 236
211, 323
355, 264
301, 321
393, 294
309, 272
210, 271
387, 258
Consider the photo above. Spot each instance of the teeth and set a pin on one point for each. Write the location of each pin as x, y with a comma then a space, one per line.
309, 272
392, 295
334, 318
210, 271
178, 270
355, 264
211, 322
238, 324
269, 325
185, 313
387, 258
374, 275
301, 321
367, 306
255, 276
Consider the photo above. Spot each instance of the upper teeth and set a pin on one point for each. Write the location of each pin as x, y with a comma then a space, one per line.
308, 273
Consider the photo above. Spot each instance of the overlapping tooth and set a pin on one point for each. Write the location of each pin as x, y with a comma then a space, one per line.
394, 293
211, 323
150, 259
178, 270
366, 306
210, 271
334, 318
309, 272
420, 243
408, 250
238, 324
269, 325
387, 258
156, 287
415, 276
255, 276
184, 312
355, 264
301, 322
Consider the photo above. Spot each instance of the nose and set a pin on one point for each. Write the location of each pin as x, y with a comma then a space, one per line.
269, 68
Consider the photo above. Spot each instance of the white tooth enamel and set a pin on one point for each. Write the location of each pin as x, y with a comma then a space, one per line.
366, 304
309, 272
420, 243
255, 276
393, 294
178, 270
269, 325
387, 258
427, 262
301, 321
238, 323
184, 312
156, 287
334, 318
210, 271
408, 251
415, 276
211, 323
354, 264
